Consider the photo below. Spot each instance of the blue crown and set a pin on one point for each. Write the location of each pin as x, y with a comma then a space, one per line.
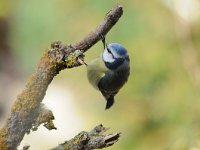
119, 49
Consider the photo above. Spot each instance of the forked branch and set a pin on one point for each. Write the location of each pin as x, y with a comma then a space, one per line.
26, 108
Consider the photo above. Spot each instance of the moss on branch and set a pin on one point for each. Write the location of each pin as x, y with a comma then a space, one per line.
25, 110
95, 139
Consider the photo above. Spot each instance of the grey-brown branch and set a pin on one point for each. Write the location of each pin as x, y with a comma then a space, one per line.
95, 139
26, 108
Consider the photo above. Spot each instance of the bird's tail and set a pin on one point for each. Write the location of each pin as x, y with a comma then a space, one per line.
110, 102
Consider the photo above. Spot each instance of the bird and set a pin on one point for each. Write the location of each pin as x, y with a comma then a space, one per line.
110, 71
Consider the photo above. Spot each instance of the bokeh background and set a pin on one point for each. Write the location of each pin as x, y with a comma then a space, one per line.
159, 107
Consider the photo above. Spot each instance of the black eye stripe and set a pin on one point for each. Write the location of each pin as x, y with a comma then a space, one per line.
109, 51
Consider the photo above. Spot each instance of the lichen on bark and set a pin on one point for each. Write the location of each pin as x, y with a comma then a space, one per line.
25, 109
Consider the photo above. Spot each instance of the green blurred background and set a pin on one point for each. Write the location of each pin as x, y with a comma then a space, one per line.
159, 107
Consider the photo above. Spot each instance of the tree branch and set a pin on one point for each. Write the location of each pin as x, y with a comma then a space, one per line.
45, 117
90, 140
25, 110
101, 30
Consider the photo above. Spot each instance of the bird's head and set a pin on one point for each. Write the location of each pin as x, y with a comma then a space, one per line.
114, 55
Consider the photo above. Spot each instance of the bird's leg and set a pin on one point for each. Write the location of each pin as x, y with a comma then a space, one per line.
103, 39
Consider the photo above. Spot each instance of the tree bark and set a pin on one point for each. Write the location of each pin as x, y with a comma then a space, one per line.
25, 110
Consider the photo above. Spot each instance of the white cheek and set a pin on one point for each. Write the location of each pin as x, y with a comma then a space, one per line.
107, 57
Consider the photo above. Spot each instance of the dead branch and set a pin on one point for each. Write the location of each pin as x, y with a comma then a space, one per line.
95, 139
26, 108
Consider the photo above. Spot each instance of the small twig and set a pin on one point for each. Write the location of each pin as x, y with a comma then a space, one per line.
90, 140
25, 109
45, 117
26, 147
101, 30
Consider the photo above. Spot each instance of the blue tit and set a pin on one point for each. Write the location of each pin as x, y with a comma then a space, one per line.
109, 72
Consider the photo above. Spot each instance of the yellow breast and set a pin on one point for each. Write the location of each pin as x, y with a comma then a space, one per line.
95, 71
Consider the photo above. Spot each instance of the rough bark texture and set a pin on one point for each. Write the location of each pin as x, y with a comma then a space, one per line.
90, 140
26, 108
